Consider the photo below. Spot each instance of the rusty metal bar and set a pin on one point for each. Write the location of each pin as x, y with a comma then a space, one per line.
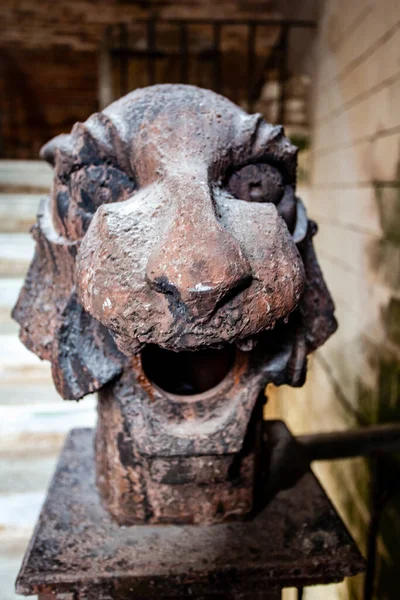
184, 51
267, 22
143, 53
364, 441
379, 496
151, 48
217, 56
123, 62
378, 441
251, 61
283, 73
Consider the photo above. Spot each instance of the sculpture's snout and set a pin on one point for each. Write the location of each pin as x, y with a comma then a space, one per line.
199, 264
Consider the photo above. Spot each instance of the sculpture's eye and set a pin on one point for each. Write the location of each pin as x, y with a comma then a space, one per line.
83, 188
264, 183
257, 183
94, 185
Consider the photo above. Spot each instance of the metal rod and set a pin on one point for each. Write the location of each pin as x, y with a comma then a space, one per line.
364, 441
184, 51
123, 63
143, 53
251, 62
300, 593
379, 497
217, 57
151, 48
283, 74
266, 22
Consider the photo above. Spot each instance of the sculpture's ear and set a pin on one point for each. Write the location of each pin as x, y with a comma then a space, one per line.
84, 356
301, 226
46, 289
316, 306
60, 142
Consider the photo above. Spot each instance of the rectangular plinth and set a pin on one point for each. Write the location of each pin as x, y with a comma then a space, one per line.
296, 540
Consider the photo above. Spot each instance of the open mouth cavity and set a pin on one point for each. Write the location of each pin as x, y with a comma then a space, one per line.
187, 373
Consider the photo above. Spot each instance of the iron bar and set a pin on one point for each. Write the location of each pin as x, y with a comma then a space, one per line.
265, 22
123, 62
217, 56
184, 51
151, 48
379, 497
378, 441
364, 441
251, 61
151, 53
144, 53
283, 73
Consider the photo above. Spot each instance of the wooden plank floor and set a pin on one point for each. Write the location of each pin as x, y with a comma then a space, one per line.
33, 418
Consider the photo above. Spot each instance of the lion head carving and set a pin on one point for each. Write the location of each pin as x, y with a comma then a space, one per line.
173, 223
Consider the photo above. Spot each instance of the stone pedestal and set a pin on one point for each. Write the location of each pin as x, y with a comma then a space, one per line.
295, 538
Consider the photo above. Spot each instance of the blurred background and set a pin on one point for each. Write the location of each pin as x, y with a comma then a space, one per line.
330, 72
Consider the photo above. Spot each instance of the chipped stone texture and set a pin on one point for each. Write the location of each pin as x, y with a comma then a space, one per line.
54, 325
149, 255
158, 462
175, 273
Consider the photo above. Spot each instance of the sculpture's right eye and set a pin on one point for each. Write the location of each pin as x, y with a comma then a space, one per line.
260, 182
263, 182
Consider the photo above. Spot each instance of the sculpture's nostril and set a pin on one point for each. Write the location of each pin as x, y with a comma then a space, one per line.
203, 299
242, 285
163, 286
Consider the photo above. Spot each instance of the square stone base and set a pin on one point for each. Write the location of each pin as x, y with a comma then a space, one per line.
79, 552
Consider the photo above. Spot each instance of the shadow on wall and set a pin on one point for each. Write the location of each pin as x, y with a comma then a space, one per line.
379, 403
20, 103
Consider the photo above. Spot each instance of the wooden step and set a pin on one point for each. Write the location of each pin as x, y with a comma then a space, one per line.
25, 176
13, 543
42, 418
9, 291
34, 419
18, 212
18, 365
16, 252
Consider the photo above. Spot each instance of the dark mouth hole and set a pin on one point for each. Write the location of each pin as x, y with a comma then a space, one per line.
187, 373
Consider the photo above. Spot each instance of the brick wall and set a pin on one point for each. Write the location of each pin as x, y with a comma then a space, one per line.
354, 194
49, 58
43, 93
79, 24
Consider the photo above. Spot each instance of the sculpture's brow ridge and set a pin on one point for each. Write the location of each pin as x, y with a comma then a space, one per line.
256, 121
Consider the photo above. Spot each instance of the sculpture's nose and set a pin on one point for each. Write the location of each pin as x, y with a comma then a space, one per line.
198, 263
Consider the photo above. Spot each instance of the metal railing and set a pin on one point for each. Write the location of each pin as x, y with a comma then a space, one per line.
122, 51
378, 442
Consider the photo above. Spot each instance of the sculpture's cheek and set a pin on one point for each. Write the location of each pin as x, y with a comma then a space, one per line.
111, 266
264, 238
113, 283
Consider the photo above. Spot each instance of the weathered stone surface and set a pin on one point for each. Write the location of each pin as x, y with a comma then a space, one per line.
175, 273
157, 462
296, 539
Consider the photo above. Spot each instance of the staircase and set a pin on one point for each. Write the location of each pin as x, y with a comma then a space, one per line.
33, 418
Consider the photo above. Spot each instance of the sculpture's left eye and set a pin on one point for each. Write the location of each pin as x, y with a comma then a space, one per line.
257, 183
94, 185
82, 189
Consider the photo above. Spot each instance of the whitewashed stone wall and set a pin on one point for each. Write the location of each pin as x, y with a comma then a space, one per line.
354, 194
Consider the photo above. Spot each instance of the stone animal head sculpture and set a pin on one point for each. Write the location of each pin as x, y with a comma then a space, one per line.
174, 253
